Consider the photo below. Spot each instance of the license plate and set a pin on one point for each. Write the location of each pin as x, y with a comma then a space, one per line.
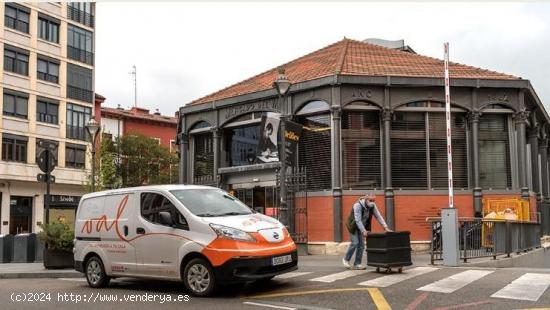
279, 260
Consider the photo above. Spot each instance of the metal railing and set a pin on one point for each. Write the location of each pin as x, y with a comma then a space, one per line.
487, 237
80, 55
80, 16
204, 180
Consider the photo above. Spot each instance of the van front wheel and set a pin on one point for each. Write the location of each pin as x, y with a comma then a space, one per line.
198, 277
95, 273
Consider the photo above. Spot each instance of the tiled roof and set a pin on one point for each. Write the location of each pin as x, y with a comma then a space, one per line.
128, 114
355, 58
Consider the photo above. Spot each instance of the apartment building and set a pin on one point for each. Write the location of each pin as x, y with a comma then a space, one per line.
47, 90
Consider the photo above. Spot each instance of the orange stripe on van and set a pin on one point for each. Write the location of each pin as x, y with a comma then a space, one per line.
221, 250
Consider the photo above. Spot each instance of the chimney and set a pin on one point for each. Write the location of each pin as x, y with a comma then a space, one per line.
119, 107
157, 112
395, 44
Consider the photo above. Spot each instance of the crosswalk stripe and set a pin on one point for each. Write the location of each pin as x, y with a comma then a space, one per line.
338, 276
455, 282
292, 275
529, 286
392, 279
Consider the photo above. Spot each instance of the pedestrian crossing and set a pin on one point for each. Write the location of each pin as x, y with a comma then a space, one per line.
526, 287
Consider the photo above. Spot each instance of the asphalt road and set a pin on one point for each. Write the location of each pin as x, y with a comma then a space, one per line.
318, 284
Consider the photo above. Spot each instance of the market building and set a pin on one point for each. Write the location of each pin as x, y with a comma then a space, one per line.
373, 121
48, 94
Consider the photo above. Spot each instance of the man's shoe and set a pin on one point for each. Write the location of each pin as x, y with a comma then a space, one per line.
359, 267
346, 263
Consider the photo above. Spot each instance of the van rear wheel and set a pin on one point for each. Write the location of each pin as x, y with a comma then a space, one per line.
95, 273
198, 278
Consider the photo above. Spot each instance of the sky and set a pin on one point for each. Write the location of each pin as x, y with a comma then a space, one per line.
185, 50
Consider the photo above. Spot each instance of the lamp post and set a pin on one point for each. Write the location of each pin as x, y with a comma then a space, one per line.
282, 84
93, 127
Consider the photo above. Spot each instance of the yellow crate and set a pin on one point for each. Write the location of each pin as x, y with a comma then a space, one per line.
498, 205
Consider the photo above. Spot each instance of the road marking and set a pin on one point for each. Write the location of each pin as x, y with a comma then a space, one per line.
292, 275
455, 282
529, 286
378, 299
468, 305
72, 279
339, 276
294, 293
249, 303
417, 301
283, 305
392, 279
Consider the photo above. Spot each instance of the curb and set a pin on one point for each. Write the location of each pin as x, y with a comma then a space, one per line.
41, 275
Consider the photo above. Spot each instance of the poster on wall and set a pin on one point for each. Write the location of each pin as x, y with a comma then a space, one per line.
267, 147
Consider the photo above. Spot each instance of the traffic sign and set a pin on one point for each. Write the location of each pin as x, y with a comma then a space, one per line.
41, 177
46, 161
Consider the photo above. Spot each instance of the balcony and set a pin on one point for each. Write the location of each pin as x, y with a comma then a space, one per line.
81, 94
80, 55
80, 16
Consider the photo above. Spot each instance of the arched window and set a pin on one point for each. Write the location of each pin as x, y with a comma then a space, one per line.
314, 147
200, 125
361, 149
419, 147
494, 151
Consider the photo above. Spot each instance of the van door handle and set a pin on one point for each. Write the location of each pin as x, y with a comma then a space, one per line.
126, 230
140, 230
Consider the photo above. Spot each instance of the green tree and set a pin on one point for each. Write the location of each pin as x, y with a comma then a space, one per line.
108, 176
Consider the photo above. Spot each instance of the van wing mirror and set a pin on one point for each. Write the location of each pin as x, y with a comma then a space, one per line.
165, 218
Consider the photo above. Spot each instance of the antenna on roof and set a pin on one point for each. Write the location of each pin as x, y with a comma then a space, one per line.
134, 73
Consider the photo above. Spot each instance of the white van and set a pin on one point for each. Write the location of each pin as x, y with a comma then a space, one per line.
198, 234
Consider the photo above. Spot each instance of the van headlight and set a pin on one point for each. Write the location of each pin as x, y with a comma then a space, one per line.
232, 233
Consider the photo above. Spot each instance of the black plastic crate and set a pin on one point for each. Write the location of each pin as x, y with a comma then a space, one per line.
387, 250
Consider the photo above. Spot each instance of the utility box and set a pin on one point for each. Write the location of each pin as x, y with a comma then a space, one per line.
389, 250
24, 247
6, 248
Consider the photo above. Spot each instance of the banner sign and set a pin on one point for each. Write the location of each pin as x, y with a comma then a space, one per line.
268, 151
292, 137
64, 200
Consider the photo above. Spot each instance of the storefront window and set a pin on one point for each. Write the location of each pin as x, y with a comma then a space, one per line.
241, 144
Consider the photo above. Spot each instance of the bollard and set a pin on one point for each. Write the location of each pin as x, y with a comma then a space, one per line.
6, 247
24, 248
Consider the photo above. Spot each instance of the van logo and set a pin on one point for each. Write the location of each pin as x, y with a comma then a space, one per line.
275, 235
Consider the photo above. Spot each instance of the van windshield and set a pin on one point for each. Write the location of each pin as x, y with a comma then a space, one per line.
210, 202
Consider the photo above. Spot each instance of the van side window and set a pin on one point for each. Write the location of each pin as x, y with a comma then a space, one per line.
153, 203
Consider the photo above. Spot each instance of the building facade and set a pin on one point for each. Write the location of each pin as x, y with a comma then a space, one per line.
120, 122
374, 122
48, 91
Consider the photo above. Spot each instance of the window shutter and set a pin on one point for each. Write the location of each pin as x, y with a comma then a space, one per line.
361, 149
408, 150
314, 151
438, 150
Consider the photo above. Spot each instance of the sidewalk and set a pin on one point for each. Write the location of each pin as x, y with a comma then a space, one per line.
34, 270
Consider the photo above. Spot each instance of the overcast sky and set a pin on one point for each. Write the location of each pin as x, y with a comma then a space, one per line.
184, 51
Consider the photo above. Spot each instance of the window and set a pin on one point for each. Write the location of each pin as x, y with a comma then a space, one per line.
419, 150
210, 202
48, 70
14, 148
17, 17
16, 60
48, 28
494, 152
314, 147
80, 45
75, 156
361, 149
40, 149
77, 117
203, 163
47, 111
79, 83
152, 204
81, 12
241, 144
15, 104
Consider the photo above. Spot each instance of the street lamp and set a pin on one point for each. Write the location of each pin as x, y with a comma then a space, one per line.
93, 128
282, 84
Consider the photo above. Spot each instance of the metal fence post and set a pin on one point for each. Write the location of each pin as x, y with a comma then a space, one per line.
508, 239
464, 229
